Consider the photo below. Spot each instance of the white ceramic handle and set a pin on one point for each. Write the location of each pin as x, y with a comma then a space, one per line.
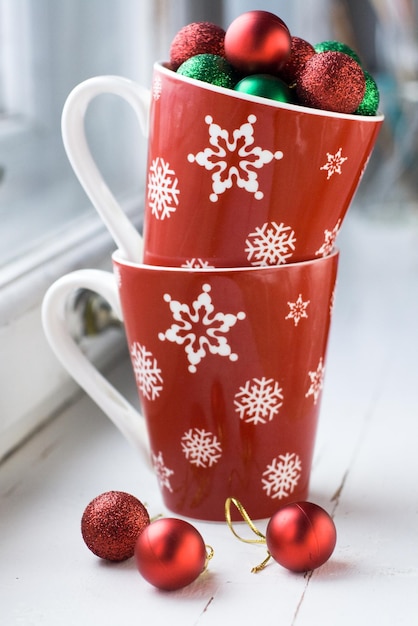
129, 421
127, 239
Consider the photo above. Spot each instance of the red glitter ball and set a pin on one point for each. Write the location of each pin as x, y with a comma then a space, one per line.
300, 51
332, 81
301, 536
111, 524
257, 42
196, 38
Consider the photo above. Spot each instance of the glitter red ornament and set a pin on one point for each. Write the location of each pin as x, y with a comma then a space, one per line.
332, 81
196, 38
257, 42
300, 51
170, 553
301, 536
111, 524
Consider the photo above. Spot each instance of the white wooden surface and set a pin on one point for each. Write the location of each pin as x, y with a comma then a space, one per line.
365, 473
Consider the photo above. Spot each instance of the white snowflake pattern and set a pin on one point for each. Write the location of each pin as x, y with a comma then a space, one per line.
334, 163
200, 329
146, 370
316, 381
157, 87
297, 310
162, 472
282, 475
197, 264
329, 240
259, 400
270, 244
162, 189
201, 448
233, 157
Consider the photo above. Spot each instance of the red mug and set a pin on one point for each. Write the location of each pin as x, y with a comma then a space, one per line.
229, 365
232, 179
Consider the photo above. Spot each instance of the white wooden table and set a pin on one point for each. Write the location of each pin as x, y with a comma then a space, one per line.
365, 473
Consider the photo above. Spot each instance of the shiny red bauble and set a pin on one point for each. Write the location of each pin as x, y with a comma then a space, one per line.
301, 536
170, 553
111, 523
257, 42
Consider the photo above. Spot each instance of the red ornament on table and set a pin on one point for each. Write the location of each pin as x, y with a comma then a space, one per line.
301, 536
111, 523
170, 554
257, 42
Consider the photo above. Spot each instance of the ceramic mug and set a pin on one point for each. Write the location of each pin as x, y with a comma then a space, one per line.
232, 179
229, 365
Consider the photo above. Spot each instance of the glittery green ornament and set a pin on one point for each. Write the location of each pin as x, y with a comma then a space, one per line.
370, 102
209, 68
337, 46
266, 86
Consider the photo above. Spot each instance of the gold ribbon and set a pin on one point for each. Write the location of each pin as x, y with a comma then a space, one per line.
209, 555
261, 538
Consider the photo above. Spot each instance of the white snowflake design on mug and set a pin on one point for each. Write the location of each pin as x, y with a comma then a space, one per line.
282, 475
239, 143
201, 448
259, 400
200, 329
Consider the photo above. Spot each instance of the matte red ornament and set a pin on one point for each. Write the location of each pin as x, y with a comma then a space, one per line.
332, 81
196, 38
111, 523
257, 42
170, 554
301, 536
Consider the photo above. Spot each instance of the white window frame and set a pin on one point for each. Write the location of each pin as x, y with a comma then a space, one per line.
33, 386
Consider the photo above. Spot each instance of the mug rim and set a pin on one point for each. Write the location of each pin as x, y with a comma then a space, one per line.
164, 68
117, 256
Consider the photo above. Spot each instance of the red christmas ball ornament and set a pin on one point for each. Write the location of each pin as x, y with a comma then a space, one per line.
170, 553
111, 524
332, 81
300, 51
196, 38
301, 536
257, 42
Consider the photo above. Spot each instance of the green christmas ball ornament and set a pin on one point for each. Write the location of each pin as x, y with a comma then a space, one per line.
370, 102
209, 68
265, 86
337, 46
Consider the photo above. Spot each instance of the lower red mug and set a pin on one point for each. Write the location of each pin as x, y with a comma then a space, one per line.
229, 365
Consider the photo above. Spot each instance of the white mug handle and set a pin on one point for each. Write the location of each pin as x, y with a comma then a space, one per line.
129, 421
120, 227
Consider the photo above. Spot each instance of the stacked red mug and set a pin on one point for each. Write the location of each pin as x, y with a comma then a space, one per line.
227, 301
